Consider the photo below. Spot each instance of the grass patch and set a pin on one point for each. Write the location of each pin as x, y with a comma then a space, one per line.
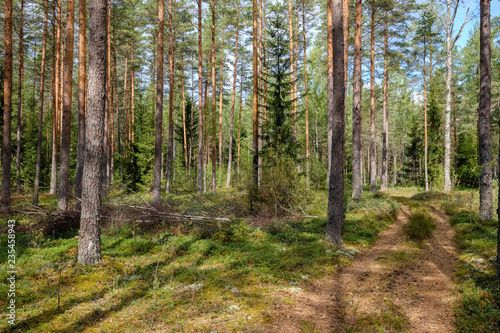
477, 308
181, 279
391, 318
420, 225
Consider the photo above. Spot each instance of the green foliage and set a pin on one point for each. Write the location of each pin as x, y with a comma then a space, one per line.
420, 225
477, 310
278, 134
467, 168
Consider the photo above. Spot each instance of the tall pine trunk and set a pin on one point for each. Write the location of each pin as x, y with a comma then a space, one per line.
19, 97
384, 179
89, 243
82, 41
214, 102
55, 104
484, 124
306, 91
233, 99
426, 174
40, 107
329, 101
159, 107
170, 146
336, 98
63, 202
255, 95
7, 112
357, 179
373, 142
200, 104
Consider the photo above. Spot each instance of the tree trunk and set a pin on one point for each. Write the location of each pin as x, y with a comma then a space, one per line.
55, 107
19, 97
357, 179
484, 130
214, 102
220, 107
306, 91
82, 41
336, 98
40, 107
292, 90
255, 96
233, 99
132, 93
426, 174
330, 108
159, 107
239, 118
373, 143
170, 146
384, 179
63, 202
89, 244
184, 128
200, 104
7, 95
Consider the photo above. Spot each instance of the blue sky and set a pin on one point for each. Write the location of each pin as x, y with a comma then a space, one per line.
473, 6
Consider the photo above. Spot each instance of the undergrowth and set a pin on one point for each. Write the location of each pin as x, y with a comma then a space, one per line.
420, 225
181, 278
477, 308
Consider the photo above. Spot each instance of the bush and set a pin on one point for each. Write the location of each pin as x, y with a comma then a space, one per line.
420, 226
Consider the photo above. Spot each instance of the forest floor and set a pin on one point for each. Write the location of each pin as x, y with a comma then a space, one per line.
256, 273
397, 285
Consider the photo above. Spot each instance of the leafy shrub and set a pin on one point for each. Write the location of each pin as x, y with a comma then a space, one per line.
420, 225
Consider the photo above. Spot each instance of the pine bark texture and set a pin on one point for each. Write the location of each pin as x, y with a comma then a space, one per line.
357, 178
56, 105
20, 81
89, 245
63, 202
484, 122
255, 95
170, 147
384, 179
233, 99
200, 104
214, 103
36, 188
336, 94
82, 73
7, 95
373, 143
329, 107
159, 106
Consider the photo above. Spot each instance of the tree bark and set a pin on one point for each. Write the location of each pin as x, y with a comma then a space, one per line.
373, 143
55, 107
484, 130
170, 146
329, 107
384, 179
255, 95
292, 79
63, 202
40, 107
221, 86
159, 106
7, 95
357, 179
336, 96
239, 118
233, 99
19, 97
214, 102
89, 244
184, 128
426, 174
82, 41
200, 104
306, 91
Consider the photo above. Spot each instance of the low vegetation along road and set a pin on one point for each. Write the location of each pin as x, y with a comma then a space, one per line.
398, 285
